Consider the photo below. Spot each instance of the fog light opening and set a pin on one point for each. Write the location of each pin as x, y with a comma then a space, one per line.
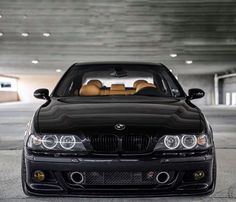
198, 175
162, 177
39, 176
77, 177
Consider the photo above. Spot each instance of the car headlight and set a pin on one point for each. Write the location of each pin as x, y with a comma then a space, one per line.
55, 143
50, 141
67, 142
183, 142
171, 142
189, 141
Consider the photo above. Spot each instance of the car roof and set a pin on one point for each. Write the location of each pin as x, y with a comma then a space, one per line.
84, 64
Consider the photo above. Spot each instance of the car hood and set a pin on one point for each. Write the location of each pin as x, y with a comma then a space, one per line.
73, 116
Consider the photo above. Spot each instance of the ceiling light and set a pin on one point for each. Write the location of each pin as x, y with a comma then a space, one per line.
24, 34
58, 70
188, 62
35, 61
0, 16
1, 34
173, 55
46, 34
170, 70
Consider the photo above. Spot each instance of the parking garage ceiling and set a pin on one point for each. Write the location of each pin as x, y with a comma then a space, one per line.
189, 36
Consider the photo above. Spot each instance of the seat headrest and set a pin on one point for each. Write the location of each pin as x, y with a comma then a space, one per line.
118, 87
89, 90
136, 83
96, 83
144, 85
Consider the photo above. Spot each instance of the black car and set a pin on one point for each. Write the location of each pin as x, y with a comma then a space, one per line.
118, 129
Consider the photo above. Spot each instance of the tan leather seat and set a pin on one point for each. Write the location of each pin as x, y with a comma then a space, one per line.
136, 83
92, 89
118, 87
89, 90
130, 91
144, 85
96, 83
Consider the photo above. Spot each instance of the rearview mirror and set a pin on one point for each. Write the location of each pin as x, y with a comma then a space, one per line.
195, 93
42, 93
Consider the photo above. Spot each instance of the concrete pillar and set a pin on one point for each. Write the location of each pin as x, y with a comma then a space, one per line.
216, 89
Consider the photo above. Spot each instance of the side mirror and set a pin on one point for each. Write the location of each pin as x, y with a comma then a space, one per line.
42, 93
195, 93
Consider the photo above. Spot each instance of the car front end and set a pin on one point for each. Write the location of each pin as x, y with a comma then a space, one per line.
118, 163
132, 133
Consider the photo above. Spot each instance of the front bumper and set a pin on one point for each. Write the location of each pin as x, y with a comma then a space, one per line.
181, 171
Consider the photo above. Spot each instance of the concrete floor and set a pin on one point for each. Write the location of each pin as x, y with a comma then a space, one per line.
14, 116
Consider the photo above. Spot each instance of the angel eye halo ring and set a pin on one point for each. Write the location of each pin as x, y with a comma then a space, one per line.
171, 141
189, 141
67, 142
49, 141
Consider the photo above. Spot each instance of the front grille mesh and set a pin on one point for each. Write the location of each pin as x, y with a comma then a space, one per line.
123, 144
120, 178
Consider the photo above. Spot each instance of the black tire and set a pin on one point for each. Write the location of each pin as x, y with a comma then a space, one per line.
23, 175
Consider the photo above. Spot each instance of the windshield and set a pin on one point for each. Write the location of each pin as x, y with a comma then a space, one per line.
118, 80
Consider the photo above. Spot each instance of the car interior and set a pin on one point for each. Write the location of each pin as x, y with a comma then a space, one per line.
118, 82
96, 88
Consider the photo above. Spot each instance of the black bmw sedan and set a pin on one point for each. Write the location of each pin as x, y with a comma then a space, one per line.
118, 129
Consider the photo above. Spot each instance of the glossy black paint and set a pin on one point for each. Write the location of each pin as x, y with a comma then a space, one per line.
66, 115
139, 114
195, 93
42, 93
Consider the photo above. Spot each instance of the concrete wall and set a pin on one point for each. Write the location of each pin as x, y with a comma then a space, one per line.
205, 82
8, 96
228, 85
28, 84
